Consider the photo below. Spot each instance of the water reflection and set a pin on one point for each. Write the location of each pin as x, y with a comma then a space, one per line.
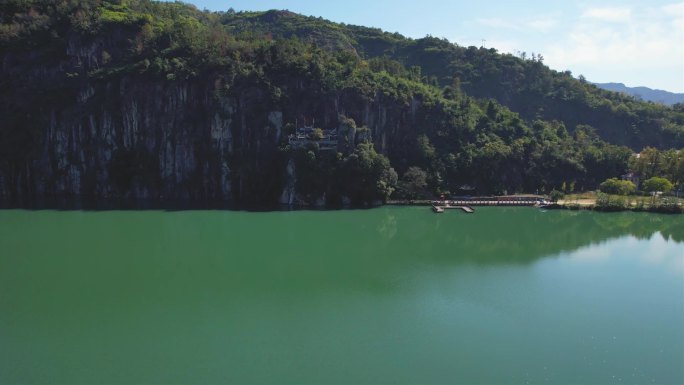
519, 235
399, 294
238, 252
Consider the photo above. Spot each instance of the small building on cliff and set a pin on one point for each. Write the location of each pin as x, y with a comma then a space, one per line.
326, 139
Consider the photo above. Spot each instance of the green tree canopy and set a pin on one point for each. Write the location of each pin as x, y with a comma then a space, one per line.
657, 184
413, 183
555, 195
367, 175
616, 186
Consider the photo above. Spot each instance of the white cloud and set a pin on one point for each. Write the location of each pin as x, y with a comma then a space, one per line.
616, 14
542, 25
495, 22
676, 12
650, 46
676, 9
539, 24
640, 44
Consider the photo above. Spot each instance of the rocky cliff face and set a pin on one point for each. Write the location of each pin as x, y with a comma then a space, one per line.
131, 138
146, 140
134, 137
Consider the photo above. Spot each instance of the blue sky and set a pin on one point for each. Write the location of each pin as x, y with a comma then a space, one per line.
639, 43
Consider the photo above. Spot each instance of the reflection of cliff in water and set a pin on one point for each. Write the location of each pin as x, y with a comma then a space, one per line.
521, 235
243, 254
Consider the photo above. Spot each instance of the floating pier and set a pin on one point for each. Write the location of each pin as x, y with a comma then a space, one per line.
467, 209
440, 208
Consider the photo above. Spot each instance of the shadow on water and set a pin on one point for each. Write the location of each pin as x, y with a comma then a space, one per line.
307, 250
70, 203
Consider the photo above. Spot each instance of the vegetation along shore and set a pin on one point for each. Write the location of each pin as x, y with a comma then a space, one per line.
584, 201
138, 99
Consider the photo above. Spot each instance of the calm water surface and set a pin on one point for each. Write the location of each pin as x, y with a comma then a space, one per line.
390, 295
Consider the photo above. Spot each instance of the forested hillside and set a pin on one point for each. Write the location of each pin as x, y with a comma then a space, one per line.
523, 84
139, 99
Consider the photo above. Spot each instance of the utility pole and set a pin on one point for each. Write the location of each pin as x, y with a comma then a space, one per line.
483, 43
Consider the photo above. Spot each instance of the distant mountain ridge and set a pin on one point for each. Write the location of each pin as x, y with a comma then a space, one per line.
645, 93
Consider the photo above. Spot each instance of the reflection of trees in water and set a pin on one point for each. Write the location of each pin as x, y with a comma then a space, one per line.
388, 227
380, 250
241, 254
522, 235
644, 226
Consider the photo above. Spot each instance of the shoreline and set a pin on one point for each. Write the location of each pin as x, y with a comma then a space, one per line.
76, 204
656, 209
562, 205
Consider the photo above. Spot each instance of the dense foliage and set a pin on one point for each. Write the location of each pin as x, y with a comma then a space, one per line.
657, 184
616, 186
330, 175
523, 84
651, 162
462, 134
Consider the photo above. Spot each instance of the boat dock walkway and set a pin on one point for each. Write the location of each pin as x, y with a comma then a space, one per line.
489, 203
467, 209
440, 209
466, 205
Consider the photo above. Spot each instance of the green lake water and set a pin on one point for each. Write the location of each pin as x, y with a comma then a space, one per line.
390, 295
